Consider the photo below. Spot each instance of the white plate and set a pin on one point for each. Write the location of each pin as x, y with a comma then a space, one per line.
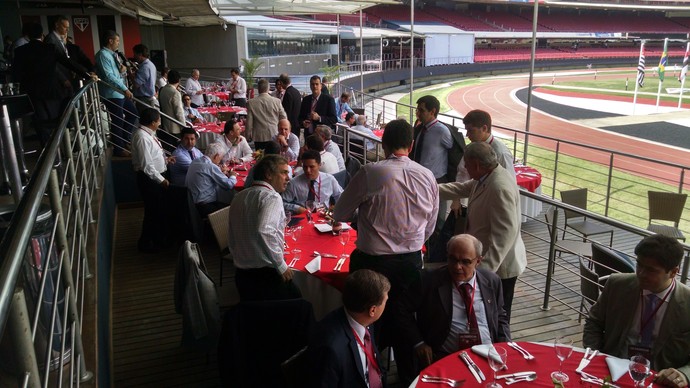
323, 228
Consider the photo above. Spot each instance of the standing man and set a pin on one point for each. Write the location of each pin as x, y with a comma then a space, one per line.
646, 313
478, 126
342, 107
58, 39
145, 79
457, 306
257, 240
397, 201
317, 108
493, 215
149, 162
289, 143
184, 154
292, 100
193, 88
313, 185
238, 88
263, 114
205, 177
114, 91
171, 104
342, 349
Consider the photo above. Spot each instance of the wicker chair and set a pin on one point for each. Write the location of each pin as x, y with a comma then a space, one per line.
578, 198
666, 207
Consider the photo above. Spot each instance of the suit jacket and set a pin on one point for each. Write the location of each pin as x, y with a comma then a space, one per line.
494, 217
325, 107
263, 114
433, 305
612, 316
334, 354
170, 100
292, 101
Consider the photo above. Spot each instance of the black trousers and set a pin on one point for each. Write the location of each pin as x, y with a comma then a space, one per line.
240, 102
256, 284
153, 228
508, 291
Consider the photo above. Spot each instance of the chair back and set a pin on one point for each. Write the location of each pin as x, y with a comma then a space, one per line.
343, 178
577, 198
225, 116
589, 282
219, 225
607, 261
296, 368
352, 165
666, 206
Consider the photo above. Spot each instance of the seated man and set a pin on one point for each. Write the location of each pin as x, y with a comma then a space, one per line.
460, 305
331, 352
329, 164
234, 146
289, 142
205, 176
272, 148
184, 154
326, 133
191, 114
311, 185
646, 313
342, 107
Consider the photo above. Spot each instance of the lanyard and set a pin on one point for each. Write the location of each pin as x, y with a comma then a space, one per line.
430, 124
492, 139
370, 357
153, 135
653, 314
470, 308
400, 155
311, 188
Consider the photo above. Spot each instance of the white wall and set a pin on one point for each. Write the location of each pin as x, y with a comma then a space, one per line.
444, 49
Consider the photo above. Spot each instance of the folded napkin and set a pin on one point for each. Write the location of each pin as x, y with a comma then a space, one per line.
483, 350
617, 366
314, 265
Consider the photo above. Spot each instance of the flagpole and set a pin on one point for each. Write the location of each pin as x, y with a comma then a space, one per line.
662, 71
640, 64
683, 71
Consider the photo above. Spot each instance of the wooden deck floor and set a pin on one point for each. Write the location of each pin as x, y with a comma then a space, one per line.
146, 331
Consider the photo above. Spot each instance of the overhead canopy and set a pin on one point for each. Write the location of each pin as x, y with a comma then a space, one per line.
229, 8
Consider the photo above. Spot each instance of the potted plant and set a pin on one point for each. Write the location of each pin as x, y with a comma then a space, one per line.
251, 67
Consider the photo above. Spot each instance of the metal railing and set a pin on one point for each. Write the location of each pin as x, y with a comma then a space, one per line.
44, 252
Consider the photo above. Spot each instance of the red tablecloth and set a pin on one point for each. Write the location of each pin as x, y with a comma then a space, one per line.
325, 243
378, 132
544, 363
221, 95
210, 127
215, 109
528, 178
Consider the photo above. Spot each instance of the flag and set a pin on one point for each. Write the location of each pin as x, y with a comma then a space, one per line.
663, 61
684, 70
640, 67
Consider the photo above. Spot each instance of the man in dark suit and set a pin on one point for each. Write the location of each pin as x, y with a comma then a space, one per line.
341, 351
457, 306
291, 100
317, 108
58, 39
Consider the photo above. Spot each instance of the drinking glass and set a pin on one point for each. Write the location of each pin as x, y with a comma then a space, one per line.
497, 360
310, 209
296, 233
564, 348
344, 236
638, 369
288, 217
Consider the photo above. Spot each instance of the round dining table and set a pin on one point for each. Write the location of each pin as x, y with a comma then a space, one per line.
544, 362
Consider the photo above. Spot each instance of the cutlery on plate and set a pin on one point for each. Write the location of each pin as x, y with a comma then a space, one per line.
586, 359
521, 350
478, 374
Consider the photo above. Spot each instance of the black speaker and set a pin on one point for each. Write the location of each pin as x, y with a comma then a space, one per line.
159, 58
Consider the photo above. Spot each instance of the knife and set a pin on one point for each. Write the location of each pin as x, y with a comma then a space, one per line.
514, 375
467, 362
474, 366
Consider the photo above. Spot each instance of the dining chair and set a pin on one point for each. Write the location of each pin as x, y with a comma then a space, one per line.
219, 225
607, 261
225, 116
295, 369
589, 287
579, 248
666, 206
578, 222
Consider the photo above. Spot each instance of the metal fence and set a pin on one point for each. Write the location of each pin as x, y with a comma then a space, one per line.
44, 256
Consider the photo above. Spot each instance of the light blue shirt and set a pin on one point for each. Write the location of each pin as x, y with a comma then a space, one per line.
325, 188
437, 142
108, 70
189, 110
146, 79
178, 170
459, 323
341, 107
203, 177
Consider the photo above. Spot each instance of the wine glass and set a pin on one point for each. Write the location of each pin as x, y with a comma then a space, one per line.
288, 218
497, 360
296, 233
344, 237
638, 369
310, 209
564, 348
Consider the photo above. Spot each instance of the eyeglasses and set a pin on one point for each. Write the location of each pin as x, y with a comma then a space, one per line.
462, 262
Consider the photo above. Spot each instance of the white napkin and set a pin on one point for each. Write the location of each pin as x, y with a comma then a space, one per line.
483, 350
617, 366
323, 228
314, 265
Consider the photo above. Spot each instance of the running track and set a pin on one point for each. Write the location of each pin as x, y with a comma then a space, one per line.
495, 96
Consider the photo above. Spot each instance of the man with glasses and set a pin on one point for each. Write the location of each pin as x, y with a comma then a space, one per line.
646, 313
455, 307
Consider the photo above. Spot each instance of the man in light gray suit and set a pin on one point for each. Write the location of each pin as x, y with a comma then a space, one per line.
646, 313
263, 114
493, 215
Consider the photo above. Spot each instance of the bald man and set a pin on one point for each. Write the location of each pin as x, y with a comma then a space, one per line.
289, 142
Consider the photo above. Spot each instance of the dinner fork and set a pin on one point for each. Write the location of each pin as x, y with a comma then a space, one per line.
442, 380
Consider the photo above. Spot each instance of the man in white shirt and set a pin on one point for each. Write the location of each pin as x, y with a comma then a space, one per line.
478, 126
329, 164
257, 239
238, 88
193, 88
149, 162
326, 134
312, 185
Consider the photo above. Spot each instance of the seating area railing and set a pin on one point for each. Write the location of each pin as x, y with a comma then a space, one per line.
45, 273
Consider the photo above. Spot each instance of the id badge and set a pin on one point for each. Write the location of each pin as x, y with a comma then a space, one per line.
639, 350
467, 340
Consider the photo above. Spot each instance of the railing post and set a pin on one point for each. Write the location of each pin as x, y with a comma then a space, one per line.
80, 156
89, 136
61, 241
682, 181
608, 185
553, 230
10, 156
555, 170
20, 331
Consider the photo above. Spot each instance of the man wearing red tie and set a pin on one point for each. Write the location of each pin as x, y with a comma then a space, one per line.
317, 108
455, 307
342, 349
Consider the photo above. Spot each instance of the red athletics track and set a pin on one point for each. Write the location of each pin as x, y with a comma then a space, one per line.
495, 96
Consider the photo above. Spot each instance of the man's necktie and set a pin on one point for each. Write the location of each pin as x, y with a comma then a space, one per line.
374, 374
311, 195
419, 145
313, 103
191, 154
466, 293
649, 316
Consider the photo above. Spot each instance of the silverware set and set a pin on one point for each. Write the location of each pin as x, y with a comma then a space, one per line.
339, 264
293, 262
587, 378
442, 380
525, 354
476, 372
586, 359
326, 255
